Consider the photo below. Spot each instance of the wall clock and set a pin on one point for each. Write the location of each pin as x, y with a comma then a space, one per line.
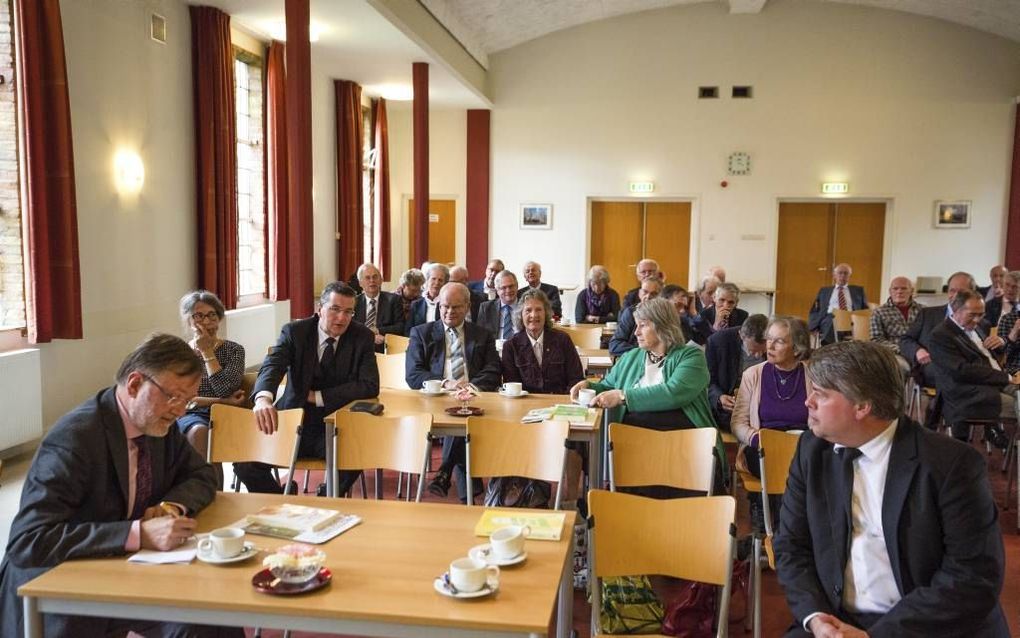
739, 163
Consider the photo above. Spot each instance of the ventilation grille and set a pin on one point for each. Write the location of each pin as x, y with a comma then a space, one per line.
745, 92
157, 28
708, 92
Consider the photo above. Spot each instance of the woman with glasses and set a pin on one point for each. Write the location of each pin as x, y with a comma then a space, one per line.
223, 365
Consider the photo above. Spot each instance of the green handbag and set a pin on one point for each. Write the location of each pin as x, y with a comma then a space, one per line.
630, 606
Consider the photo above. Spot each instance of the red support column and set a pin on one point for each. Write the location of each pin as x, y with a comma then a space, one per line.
421, 163
1013, 215
477, 190
299, 140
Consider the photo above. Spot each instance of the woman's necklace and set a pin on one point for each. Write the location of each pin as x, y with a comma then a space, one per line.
656, 359
779, 380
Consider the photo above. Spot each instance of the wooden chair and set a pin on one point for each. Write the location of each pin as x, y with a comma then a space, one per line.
395, 344
684, 459
400, 443
780, 448
391, 370
841, 322
860, 322
690, 538
508, 448
234, 437
585, 337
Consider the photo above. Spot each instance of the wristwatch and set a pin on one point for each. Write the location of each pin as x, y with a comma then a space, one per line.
623, 396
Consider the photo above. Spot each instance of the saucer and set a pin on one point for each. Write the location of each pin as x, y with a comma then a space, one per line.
263, 582
469, 411
211, 557
491, 587
432, 394
484, 552
523, 393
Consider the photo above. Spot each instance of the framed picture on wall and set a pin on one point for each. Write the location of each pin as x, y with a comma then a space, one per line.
955, 214
536, 216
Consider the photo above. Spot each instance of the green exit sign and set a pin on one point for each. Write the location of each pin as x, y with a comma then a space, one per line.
642, 187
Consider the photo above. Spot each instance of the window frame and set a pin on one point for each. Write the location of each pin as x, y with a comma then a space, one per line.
256, 60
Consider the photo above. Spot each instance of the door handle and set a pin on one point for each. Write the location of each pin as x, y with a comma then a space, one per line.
823, 268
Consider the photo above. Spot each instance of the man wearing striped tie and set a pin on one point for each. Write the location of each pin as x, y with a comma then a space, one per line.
839, 296
457, 352
381, 312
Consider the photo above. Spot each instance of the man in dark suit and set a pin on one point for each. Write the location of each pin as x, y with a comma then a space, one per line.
533, 277
426, 308
381, 312
915, 343
839, 296
329, 360
113, 476
885, 528
704, 294
994, 289
623, 338
487, 286
997, 307
720, 315
645, 269
472, 359
499, 316
967, 375
460, 275
729, 352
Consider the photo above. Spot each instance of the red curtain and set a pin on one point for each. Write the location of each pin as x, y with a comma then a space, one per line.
54, 286
1013, 218
349, 201
382, 189
276, 152
215, 152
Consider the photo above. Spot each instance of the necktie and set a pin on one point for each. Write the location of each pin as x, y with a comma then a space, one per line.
328, 355
456, 356
724, 322
538, 351
842, 299
846, 457
506, 326
371, 318
435, 312
143, 477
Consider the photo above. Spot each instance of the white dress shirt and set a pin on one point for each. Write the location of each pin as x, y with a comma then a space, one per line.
322, 348
431, 308
537, 346
834, 298
976, 340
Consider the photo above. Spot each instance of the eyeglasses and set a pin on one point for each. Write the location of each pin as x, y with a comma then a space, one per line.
198, 316
172, 400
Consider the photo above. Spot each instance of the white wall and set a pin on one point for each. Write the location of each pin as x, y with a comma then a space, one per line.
901, 107
324, 242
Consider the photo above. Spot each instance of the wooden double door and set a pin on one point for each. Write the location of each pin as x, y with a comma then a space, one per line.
816, 236
622, 233
442, 231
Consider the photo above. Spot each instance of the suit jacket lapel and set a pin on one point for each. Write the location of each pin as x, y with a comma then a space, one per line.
438, 363
964, 339
309, 359
116, 439
902, 467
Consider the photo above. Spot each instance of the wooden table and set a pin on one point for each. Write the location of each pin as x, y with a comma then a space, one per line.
383, 571
598, 359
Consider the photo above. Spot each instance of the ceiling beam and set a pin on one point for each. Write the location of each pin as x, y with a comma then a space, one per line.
746, 6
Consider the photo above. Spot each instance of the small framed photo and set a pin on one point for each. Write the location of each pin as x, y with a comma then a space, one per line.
955, 214
536, 216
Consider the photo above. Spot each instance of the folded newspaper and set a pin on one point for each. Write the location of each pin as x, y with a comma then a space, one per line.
560, 412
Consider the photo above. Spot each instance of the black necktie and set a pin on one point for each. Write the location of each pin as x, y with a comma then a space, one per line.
143, 477
328, 355
846, 457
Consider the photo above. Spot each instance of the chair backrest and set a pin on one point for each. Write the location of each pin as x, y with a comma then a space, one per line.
395, 344
689, 538
234, 437
507, 448
841, 320
391, 370
777, 450
679, 458
584, 337
366, 441
860, 321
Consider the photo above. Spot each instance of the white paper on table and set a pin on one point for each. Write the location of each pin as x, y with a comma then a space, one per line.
182, 555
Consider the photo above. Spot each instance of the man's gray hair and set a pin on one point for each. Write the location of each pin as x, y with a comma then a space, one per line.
502, 275
598, 273
161, 353
413, 277
726, 286
707, 280
337, 287
962, 297
1014, 276
662, 315
442, 268
863, 372
537, 295
363, 267
971, 282
754, 327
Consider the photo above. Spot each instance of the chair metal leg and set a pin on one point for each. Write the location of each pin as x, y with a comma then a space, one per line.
308, 474
364, 486
756, 566
400, 480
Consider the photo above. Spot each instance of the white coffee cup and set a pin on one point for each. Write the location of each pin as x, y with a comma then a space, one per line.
499, 344
226, 542
585, 397
432, 386
508, 542
468, 574
611, 325
511, 389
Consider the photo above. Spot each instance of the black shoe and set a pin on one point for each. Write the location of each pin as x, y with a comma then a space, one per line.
997, 437
293, 489
321, 490
440, 485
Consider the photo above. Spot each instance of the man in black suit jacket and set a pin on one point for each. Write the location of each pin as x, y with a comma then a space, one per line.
885, 527
329, 360
478, 365
499, 316
915, 343
994, 289
623, 338
388, 317
968, 377
533, 277
646, 269
721, 314
829, 299
729, 352
85, 495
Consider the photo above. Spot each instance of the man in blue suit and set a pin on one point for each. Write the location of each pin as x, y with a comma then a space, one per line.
840, 295
457, 352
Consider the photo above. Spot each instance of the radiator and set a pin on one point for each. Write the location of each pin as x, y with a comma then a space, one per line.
20, 398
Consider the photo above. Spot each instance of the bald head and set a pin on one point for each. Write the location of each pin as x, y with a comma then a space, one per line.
841, 274
718, 272
647, 269
900, 291
459, 274
454, 301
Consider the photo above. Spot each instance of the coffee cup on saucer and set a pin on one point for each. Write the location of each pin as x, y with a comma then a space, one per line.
611, 325
225, 542
511, 389
585, 397
470, 575
432, 386
508, 542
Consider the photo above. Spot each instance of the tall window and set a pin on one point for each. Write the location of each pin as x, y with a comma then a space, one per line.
368, 186
12, 260
251, 207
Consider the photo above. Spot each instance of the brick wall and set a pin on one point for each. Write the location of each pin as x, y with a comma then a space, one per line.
12, 284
